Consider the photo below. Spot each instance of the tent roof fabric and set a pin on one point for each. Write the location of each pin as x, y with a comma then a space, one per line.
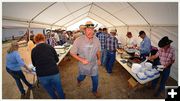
64, 14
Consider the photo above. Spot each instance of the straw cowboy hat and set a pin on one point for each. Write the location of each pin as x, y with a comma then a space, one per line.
164, 41
89, 24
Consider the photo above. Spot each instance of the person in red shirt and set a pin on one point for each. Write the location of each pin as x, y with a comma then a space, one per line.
166, 54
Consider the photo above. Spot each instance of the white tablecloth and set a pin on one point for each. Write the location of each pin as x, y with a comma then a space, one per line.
61, 56
118, 58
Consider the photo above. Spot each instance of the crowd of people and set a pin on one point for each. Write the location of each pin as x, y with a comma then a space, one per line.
90, 48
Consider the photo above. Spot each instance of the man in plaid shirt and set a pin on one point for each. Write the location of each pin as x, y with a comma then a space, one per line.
102, 38
112, 45
166, 53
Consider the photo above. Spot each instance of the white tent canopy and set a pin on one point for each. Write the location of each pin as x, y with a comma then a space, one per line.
109, 14
157, 19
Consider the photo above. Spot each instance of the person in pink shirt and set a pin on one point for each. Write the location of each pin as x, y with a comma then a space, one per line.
166, 54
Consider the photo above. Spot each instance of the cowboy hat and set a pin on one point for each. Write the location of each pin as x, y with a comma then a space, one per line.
164, 41
89, 24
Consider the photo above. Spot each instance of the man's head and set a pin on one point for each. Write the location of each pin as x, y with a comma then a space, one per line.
129, 34
100, 30
105, 30
113, 31
165, 42
89, 29
142, 34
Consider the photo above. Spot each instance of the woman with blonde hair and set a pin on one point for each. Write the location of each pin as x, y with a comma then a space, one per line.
13, 66
44, 58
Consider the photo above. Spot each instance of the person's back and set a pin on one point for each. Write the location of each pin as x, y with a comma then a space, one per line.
44, 59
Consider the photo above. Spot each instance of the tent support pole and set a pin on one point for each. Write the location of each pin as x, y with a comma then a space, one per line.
150, 33
29, 32
51, 30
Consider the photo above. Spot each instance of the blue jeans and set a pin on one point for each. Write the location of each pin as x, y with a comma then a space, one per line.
103, 57
110, 61
52, 84
165, 75
94, 81
18, 76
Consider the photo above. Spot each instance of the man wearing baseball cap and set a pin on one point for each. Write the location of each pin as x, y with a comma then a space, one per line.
145, 45
88, 47
166, 53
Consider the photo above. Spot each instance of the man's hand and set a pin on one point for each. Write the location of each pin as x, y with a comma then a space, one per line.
99, 62
165, 66
84, 61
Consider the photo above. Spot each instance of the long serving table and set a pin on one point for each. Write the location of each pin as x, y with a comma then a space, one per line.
118, 58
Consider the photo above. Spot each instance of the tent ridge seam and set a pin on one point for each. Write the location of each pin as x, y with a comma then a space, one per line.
70, 14
111, 14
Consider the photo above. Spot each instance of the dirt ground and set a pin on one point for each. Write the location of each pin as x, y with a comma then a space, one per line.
114, 86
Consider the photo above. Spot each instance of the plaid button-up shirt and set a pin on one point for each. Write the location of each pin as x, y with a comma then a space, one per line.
112, 43
166, 56
102, 38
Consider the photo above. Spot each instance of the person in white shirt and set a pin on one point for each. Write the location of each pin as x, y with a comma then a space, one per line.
130, 41
119, 39
56, 36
